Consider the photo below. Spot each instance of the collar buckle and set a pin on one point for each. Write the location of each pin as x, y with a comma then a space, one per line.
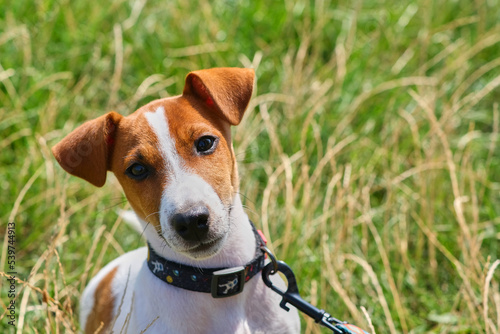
228, 282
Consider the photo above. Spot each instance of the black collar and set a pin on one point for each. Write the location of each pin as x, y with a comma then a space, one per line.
221, 282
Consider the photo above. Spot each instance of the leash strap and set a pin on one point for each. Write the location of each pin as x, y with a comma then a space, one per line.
291, 296
220, 282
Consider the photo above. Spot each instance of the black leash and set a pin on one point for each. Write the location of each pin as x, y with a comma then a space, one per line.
291, 296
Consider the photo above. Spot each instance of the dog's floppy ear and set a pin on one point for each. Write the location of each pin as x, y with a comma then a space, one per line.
227, 90
85, 152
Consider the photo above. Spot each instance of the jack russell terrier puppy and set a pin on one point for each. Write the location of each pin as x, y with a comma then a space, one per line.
174, 159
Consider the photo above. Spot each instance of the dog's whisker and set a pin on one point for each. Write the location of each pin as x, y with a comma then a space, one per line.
153, 213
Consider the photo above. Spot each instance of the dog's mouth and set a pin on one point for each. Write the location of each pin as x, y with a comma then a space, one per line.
205, 249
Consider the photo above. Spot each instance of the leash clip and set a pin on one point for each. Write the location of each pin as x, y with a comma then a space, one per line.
291, 296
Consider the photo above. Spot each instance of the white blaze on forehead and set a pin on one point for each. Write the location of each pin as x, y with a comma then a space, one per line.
159, 124
184, 188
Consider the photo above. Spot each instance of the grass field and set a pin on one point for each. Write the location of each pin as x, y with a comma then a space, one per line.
370, 154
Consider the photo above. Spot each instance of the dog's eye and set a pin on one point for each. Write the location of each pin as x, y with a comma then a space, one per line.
137, 171
206, 144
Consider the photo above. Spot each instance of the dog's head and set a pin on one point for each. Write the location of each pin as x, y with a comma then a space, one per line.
173, 158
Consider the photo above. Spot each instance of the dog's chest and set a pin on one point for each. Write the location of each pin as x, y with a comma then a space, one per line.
165, 309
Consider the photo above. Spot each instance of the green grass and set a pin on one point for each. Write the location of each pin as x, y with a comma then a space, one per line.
369, 154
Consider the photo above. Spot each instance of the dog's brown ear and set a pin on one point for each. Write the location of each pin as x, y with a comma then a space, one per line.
227, 90
85, 152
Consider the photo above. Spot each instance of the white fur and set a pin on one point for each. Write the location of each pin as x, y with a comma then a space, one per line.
158, 122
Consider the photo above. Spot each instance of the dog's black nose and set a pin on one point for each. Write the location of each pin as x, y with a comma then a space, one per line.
192, 225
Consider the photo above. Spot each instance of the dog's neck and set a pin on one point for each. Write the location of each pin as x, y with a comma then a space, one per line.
239, 247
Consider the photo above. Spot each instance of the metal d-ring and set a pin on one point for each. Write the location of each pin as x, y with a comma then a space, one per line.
273, 259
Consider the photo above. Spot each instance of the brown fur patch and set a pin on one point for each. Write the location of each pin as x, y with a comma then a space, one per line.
101, 315
138, 144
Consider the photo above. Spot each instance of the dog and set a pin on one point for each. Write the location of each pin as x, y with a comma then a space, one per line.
200, 271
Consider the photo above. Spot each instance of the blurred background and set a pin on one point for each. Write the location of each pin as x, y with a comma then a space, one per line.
369, 154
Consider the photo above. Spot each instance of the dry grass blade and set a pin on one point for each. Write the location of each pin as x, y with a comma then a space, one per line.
380, 294
488, 323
